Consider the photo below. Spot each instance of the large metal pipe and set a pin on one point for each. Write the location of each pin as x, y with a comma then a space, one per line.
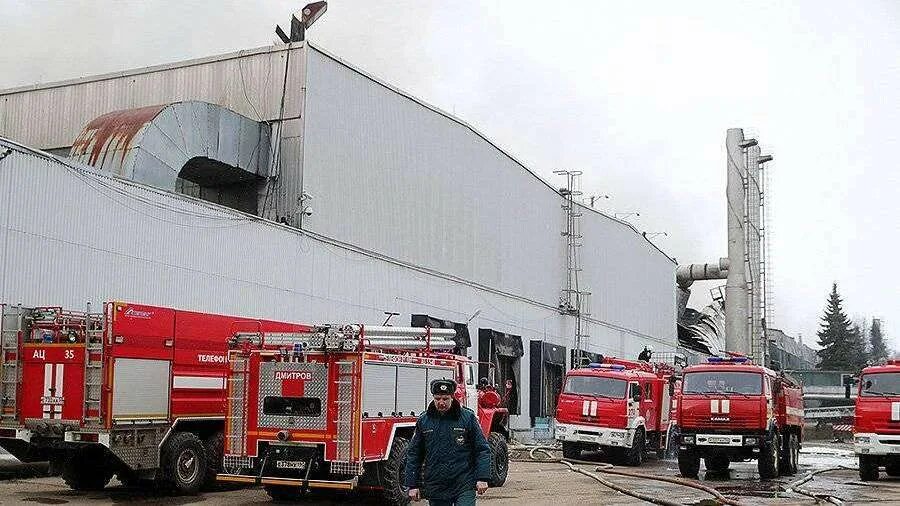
754, 249
419, 332
736, 303
685, 275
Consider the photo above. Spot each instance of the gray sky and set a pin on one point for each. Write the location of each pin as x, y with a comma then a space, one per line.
638, 95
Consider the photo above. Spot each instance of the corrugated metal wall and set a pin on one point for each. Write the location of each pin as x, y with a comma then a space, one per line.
461, 226
392, 175
119, 240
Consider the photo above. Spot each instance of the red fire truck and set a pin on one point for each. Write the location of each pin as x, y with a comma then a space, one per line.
335, 407
730, 409
137, 391
619, 406
877, 421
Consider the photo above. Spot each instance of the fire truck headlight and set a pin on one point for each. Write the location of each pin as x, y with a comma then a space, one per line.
751, 441
561, 428
688, 439
284, 435
863, 440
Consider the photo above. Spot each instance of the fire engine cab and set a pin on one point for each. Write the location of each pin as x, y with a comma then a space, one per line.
877, 420
335, 407
730, 409
137, 391
619, 406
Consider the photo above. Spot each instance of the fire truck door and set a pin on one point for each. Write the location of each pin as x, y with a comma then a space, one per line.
471, 392
52, 381
141, 359
665, 406
648, 407
634, 400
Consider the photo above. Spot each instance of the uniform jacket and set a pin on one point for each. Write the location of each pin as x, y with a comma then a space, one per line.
452, 450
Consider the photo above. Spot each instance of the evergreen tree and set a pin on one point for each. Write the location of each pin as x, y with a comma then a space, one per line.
842, 345
879, 351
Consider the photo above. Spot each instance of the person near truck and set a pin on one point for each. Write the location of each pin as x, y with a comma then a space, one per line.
449, 459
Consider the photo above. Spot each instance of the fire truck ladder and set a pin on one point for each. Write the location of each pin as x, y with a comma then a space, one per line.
236, 421
11, 326
93, 368
347, 381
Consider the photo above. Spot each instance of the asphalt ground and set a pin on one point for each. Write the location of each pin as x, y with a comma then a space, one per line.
529, 483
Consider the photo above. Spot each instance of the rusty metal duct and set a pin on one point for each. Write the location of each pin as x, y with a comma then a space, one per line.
153, 144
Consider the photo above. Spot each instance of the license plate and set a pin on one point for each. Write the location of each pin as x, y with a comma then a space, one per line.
291, 464
719, 440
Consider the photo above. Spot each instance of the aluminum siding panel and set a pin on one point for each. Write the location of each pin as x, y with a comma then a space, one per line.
247, 82
429, 190
74, 237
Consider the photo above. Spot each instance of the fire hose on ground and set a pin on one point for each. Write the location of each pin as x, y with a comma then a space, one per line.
795, 486
571, 464
609, 469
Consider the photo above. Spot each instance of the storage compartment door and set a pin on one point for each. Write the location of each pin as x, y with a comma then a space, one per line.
140, 389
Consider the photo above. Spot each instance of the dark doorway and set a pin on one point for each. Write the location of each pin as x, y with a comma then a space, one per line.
548, 370
504, 351
220, 183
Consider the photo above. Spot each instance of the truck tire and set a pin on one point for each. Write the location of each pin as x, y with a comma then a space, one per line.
571, 450
183, 463
688, 464
868, 468
499, 459
86, 470
769, 459
790, 455
893, 469
392, 473
717, 463
634, 456
214, 446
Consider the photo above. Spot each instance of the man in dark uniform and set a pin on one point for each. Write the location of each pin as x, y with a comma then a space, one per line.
449, 444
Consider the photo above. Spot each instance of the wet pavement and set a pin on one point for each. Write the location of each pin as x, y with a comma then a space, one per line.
528, 483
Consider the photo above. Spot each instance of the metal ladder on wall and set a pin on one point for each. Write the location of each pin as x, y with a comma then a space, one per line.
347, 379
11, 327
94, 332
236, 421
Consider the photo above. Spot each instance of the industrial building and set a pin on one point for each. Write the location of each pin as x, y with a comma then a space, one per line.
284, 183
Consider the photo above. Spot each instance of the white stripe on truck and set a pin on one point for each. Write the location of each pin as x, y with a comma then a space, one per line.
200, 382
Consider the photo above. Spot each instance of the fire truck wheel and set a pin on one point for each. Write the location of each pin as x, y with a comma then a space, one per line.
893, 469
791, 455
86, 470
717, 463
571, 450
868, 468
392, 473
634, 456
183, 463
769, 460
214, 446
688, 464
499, 459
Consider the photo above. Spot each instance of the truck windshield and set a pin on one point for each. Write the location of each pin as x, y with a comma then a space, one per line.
593, 385
881, 384
718, 382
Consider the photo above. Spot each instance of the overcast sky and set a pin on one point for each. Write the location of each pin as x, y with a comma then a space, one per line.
638, 95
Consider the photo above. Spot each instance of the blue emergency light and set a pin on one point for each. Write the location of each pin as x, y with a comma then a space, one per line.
614, 367
729, 360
